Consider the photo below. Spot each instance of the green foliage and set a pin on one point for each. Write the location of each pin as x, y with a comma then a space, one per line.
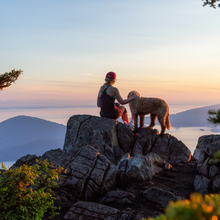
197, 208
217, 155
27, 192
211, 3
7, 79
214, 117
160, 217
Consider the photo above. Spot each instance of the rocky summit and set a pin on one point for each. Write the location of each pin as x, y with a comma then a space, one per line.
112, 174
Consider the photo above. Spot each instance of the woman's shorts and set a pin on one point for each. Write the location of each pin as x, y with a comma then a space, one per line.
117, 113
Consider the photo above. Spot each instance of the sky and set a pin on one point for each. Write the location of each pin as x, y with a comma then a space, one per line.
166, 49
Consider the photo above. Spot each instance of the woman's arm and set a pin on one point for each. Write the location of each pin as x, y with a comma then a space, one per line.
98, 101
123, 101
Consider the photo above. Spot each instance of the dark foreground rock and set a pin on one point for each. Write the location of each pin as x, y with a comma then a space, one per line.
160, 196
112, 174
178, 182
167, 147
94, 131
208, 178
89, 210
118, 196
89, 175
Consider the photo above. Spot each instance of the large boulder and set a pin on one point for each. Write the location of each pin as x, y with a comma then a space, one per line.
160, 196
88, 210
99, 132
156, 159
201, 184
94, 211
28, 159
167, 147
213, 171
146, 138
216, 184
55, 157
118, 196
125, 137
207, 167
113, 139
89, 175
208, 144
136, 169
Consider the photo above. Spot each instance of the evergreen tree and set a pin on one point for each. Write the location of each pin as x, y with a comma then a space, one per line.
7, 79
214, 116
212, 3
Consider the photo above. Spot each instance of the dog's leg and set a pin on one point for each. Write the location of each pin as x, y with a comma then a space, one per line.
135, 117
161, 120
141, 121
152, 120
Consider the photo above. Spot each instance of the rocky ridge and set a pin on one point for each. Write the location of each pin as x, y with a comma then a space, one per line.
112, 174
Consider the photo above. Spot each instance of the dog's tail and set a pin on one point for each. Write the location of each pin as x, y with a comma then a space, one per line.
168, 124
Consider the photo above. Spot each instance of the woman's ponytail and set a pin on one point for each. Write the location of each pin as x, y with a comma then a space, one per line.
105, 85
103, 88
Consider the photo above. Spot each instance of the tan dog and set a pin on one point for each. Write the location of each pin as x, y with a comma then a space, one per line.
157, 108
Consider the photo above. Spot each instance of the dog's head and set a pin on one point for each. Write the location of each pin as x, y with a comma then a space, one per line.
133, 94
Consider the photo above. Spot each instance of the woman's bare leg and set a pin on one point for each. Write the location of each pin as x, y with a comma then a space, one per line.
124, 116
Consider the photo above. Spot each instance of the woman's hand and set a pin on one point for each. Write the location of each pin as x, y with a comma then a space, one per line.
123, 101
135, 98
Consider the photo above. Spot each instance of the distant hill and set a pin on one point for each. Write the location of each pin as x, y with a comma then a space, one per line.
191, 118
23, 134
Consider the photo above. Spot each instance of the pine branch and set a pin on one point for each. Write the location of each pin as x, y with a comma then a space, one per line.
8, 78
214, 117
211, 3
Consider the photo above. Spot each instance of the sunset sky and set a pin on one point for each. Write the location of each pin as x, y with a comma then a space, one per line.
167, 49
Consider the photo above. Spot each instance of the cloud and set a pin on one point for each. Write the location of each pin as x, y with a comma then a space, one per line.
46, 103
92, 75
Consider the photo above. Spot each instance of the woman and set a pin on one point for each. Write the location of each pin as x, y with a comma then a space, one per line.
106, 100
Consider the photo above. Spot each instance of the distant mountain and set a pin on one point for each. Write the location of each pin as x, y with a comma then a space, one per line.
191, 118
23, 134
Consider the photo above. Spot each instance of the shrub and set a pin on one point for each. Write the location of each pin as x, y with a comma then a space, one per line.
197, 208
217, 156
27, 192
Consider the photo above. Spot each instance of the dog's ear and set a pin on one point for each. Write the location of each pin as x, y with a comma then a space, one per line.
128, 95
131, 94
136, 93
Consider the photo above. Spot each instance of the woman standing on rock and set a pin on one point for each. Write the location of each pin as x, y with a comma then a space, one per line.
106, 100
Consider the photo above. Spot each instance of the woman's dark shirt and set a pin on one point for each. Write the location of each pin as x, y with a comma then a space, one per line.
108, 106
